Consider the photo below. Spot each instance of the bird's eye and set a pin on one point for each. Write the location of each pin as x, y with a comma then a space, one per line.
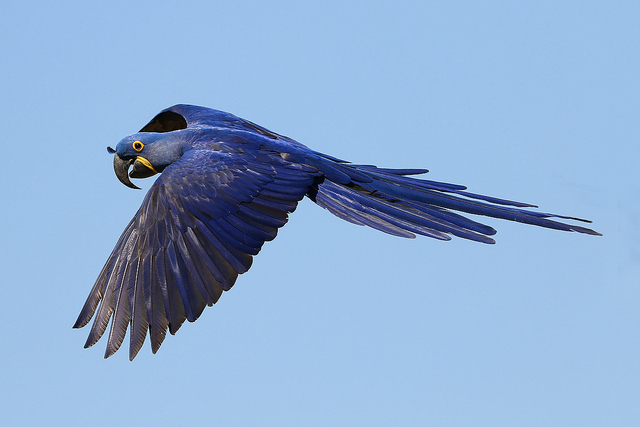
138, 146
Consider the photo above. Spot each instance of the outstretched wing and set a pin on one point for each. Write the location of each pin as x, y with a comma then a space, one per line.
198, 227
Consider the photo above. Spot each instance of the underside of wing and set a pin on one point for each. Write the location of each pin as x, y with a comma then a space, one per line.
181, 116
199, 226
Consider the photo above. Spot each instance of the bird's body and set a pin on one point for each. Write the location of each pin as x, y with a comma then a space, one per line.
226, 186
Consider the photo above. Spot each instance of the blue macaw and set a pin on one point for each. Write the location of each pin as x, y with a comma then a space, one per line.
225, 187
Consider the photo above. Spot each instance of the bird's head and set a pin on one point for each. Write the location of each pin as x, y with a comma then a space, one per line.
148, 152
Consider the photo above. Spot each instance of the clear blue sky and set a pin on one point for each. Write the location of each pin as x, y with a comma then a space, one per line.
335, 324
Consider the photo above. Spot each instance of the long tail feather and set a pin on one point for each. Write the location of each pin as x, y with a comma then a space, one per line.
390, 201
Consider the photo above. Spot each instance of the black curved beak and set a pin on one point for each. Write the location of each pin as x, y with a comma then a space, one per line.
141, 168
121, 168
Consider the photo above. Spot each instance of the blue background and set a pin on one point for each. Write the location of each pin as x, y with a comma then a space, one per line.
335, 324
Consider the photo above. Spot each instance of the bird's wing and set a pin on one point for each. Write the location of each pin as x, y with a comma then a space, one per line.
181, 116
197, 229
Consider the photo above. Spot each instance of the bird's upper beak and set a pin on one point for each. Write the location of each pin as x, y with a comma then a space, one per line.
142, 168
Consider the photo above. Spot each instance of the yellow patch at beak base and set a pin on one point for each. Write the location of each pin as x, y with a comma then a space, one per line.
146, 163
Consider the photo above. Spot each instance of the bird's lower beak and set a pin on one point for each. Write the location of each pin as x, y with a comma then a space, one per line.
141, 169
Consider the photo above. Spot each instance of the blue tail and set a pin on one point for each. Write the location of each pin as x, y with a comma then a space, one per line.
390, 201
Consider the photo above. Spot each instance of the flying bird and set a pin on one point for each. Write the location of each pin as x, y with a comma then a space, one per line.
226, 186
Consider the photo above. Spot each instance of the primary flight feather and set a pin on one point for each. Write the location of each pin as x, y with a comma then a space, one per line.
225, 187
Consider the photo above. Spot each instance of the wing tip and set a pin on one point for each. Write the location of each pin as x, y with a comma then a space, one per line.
80, 322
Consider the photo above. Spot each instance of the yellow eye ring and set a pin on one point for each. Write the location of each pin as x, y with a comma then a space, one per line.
138, 145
